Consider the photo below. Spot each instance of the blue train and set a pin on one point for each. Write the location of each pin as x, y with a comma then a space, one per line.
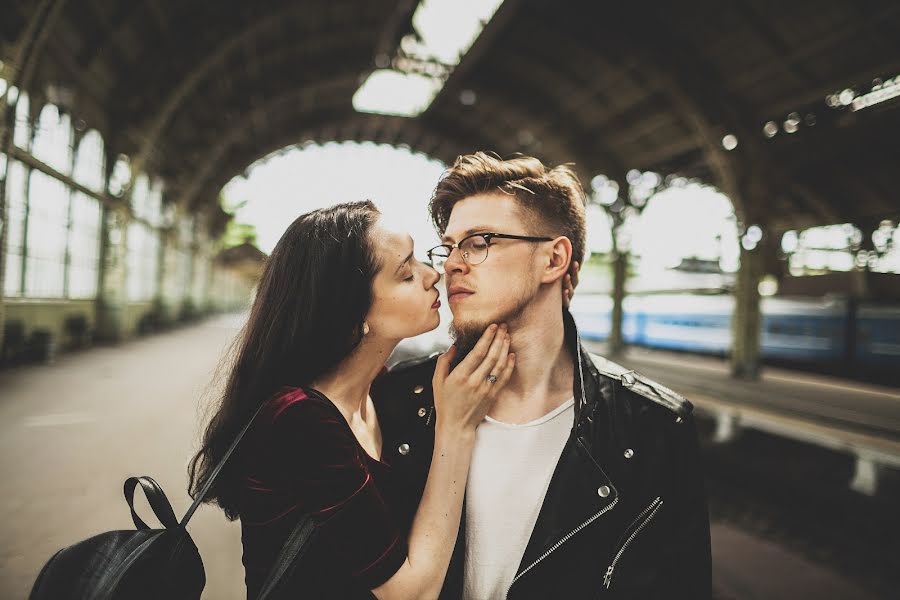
835, 333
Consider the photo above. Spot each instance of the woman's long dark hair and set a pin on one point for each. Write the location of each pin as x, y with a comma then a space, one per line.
311, 302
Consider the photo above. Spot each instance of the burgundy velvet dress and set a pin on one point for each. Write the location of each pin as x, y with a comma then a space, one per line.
302, 458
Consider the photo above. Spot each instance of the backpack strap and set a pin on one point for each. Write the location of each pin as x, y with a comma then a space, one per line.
157, 499
292, 551
215, 472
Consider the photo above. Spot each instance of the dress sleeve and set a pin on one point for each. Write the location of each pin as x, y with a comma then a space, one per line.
323, 467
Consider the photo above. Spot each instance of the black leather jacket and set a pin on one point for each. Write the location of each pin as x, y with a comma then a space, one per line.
625, 515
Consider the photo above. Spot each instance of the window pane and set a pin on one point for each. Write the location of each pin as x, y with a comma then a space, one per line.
53, 139
47, 230
84, 246
139, 196
90, 161
143, 262
22, 132
15, 199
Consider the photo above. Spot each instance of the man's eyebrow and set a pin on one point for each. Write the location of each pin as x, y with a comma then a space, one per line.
468, 232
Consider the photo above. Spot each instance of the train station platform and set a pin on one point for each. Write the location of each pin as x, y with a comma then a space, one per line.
859, 419
71, 432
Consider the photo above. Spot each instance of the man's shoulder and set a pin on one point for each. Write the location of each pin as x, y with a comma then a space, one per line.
644, 388
408, 378
414, 366
403, 396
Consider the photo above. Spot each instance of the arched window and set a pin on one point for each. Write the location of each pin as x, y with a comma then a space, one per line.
22, 131
154, 203
86, 215
139, 194
90, 161
53, 139
120, 177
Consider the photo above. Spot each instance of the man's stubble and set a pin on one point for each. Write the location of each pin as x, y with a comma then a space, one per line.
466, 334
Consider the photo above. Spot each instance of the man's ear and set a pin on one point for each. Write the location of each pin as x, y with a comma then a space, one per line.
559, 259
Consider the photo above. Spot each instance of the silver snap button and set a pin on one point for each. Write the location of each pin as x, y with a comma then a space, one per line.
679, 420
603, 490
403, 449
418, 389
629, 453
422, 411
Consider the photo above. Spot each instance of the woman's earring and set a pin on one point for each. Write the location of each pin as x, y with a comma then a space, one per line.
365, 329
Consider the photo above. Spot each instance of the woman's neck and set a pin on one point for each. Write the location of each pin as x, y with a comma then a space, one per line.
348, 384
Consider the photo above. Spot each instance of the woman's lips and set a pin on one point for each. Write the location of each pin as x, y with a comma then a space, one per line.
437, 303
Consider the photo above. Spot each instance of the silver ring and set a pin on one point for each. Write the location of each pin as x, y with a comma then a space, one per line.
492, 378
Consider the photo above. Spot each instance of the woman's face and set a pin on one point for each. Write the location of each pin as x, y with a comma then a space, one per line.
404, 297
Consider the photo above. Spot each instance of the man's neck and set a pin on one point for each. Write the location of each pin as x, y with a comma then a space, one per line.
542, 379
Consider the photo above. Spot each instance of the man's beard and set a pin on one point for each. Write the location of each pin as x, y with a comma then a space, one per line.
466, 335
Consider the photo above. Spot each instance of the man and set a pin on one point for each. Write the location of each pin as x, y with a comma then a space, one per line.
585, 479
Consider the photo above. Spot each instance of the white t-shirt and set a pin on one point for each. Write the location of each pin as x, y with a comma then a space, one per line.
508, 479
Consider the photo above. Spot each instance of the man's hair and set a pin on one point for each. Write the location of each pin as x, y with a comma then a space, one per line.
552, 201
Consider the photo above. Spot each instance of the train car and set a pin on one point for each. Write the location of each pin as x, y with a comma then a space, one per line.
593, 315
805, 329
694, 323
878, 337
810, 330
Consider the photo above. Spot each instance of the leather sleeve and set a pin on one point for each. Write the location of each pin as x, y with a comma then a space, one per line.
687, 562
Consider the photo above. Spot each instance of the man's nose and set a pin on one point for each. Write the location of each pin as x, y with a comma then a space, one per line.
455, 262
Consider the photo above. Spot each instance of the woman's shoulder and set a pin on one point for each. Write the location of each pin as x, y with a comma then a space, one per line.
300, 416
297, 403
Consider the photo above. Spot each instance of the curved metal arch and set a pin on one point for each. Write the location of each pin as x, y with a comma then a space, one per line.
491, 132
217, 149
717, 112
513, 72
328, 125
503, 115
177, 96
668, 77
238, 163
241, 101
590, 60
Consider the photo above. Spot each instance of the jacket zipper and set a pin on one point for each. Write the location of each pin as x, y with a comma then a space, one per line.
652, 510
561, 542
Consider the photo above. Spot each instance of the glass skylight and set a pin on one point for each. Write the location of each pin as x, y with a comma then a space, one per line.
444, 30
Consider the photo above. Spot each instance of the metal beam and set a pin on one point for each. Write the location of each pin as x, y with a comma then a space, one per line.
199, 70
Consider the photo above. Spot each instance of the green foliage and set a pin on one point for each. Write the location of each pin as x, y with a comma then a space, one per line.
236, 234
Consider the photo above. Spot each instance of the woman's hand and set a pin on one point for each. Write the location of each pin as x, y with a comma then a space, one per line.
464, 396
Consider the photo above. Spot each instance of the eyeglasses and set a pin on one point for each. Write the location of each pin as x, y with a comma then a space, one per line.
474, 248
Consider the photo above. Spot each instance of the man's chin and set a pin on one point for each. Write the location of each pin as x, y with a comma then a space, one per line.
465, 335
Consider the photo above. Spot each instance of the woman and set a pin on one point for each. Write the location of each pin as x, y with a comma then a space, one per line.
339, 292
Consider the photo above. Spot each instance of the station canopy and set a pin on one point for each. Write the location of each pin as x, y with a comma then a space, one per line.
792, 107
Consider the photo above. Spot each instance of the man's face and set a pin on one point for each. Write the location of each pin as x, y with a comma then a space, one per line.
498, 289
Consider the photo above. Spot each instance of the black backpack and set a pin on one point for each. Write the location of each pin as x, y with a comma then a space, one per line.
153, 564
